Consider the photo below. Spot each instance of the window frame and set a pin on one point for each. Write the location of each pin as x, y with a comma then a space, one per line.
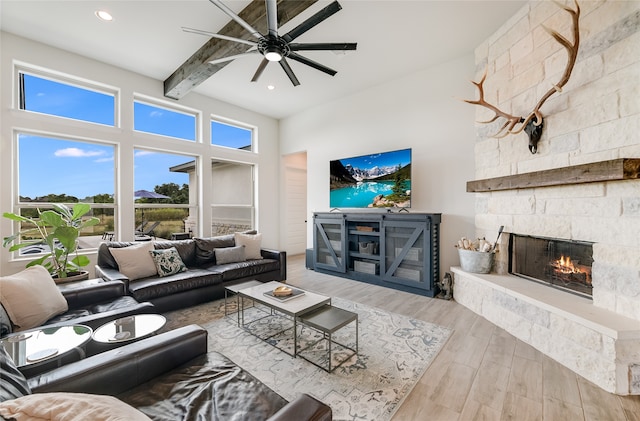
234, 123
65, 79
18, 204
154, 102
191, 207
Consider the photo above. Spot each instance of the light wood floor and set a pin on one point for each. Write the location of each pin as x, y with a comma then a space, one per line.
483, 372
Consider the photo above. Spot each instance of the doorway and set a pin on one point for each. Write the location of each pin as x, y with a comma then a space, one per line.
294, 213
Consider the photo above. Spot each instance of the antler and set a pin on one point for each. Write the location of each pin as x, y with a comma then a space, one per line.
512, 120
572, 52
516, 124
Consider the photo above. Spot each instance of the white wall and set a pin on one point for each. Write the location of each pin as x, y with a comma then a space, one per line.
15, 48
421, 111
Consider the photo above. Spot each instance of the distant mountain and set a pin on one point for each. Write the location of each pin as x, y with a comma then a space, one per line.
339, 176
405, 173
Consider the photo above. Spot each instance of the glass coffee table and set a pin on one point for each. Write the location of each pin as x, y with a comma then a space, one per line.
293, 307
130, 328
38, 350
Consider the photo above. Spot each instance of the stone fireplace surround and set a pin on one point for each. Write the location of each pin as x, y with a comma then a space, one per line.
597, 338
596, 118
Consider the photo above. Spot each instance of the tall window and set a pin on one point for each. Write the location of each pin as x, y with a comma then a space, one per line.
231, 136
62, 99
163, 121
233, 197
55, 170
165, 186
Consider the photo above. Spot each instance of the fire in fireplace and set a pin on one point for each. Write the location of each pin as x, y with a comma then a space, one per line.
564, 264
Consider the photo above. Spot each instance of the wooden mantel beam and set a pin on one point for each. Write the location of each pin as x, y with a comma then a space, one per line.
615, 169
197, 69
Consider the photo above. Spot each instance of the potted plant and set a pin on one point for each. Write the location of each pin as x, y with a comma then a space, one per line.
59, 229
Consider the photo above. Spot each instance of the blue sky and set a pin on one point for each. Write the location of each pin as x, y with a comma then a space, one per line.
81, 169
384, 159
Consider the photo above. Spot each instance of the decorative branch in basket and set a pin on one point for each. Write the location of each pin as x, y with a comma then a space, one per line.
533, 123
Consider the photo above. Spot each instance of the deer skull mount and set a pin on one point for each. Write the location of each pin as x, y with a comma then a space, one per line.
533, 129
533, 123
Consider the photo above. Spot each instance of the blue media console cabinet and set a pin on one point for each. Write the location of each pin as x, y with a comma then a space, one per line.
396, 250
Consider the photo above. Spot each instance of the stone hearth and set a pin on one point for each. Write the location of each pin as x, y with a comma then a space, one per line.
600, 345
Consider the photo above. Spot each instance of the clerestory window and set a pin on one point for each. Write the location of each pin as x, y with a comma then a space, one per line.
150, 118
231, 136
65, 99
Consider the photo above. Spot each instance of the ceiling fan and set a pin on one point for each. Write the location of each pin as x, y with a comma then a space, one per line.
277, 48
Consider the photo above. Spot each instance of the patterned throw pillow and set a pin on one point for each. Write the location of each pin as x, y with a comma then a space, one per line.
168, 261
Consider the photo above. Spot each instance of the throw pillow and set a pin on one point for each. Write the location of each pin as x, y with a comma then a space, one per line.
205, 246
168, 261
135, 262
252, 244
230, 255
31, 297
64, 406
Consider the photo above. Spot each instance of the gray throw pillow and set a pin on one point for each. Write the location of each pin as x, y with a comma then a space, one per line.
229, 255
205, 246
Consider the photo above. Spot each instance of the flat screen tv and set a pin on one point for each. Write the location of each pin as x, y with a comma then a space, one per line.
381, 180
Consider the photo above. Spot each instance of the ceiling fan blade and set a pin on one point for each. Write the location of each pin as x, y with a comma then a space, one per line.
287, 69
312, 21
323, 46
272, 17
261, 68
232, 57
315, 65
219, 36
237, 18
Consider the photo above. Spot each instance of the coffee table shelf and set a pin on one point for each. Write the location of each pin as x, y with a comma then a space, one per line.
328, 320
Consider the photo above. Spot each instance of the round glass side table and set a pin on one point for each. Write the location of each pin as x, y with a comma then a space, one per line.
129, 328
33, 348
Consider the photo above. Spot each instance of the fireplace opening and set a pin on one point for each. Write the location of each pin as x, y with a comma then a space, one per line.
563, 264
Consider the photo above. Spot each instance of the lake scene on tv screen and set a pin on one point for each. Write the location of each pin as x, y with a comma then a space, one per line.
381, 180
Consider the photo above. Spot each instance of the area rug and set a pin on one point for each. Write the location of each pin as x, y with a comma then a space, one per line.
393, 353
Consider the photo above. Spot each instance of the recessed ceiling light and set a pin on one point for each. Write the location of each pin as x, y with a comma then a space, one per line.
104, 15
271, 87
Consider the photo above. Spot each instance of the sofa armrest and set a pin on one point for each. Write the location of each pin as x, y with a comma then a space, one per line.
116, 371
83, 293
303, 408
110, 274
277, 255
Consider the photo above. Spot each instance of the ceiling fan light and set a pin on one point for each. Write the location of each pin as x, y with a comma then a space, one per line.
273, 54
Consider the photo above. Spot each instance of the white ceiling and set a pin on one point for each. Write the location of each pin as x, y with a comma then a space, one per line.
395, 38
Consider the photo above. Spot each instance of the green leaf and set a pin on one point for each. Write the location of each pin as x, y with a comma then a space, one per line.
52, 218
81, 260
67, 236
37, 261
15, 217
80, 209
63, 210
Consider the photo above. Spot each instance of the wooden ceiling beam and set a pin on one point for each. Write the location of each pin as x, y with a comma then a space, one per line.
196, 69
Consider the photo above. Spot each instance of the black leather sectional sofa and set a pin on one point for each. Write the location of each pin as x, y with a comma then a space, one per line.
204, 280
169, 377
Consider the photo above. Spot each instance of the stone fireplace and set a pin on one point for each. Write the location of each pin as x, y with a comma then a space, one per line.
568, 190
